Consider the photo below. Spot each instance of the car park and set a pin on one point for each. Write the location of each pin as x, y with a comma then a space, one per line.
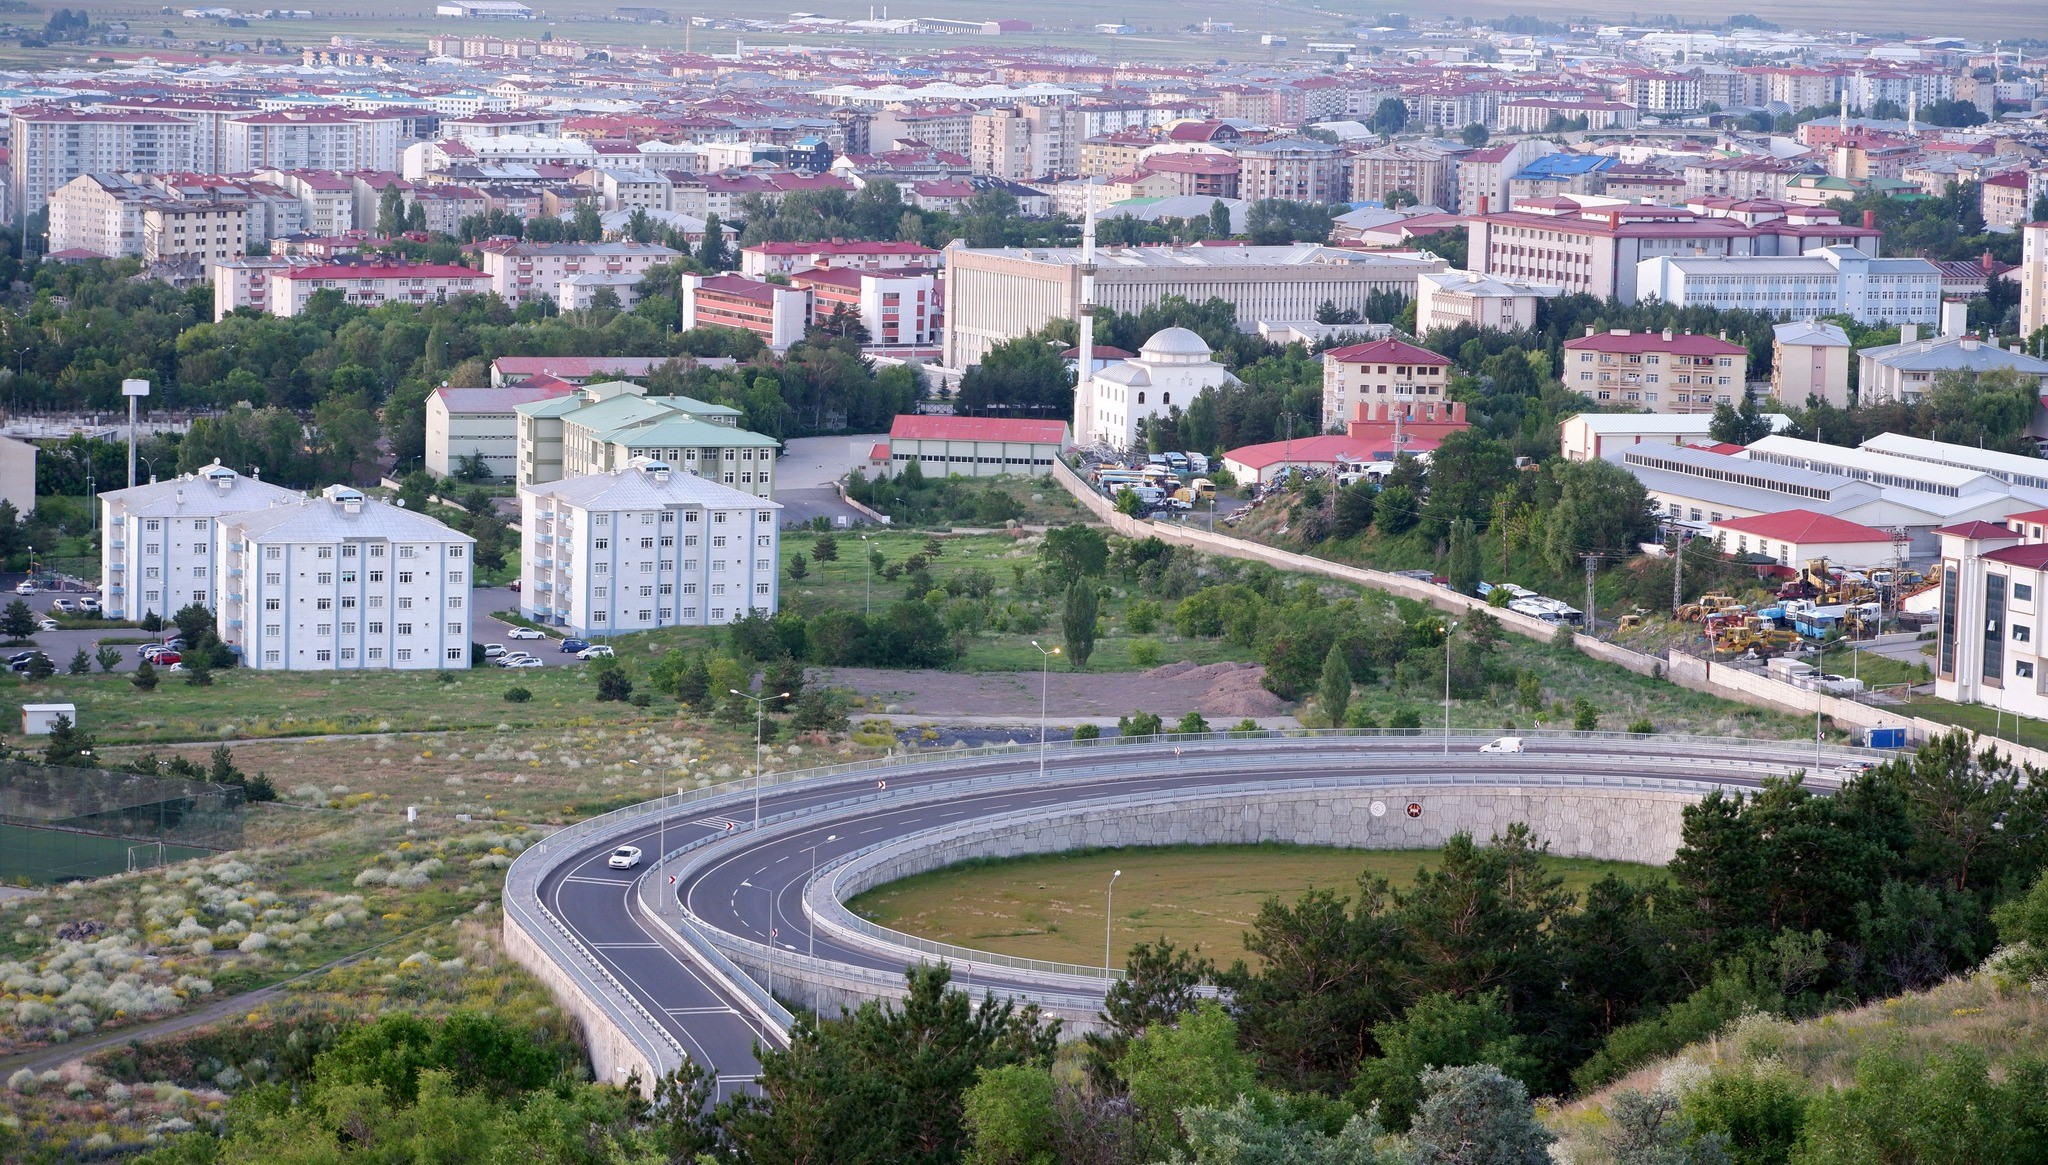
22, 657
162, 658
507, 659
574, 644
493, 650
524, 633
624, 858
600, 651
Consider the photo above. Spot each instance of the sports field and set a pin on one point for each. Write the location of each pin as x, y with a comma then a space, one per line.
46, 855
1052, 907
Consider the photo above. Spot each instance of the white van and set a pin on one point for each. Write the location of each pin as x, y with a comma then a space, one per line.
1504, 744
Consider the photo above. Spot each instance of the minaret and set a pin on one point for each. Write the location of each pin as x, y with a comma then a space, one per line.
1913, 111
1084, 394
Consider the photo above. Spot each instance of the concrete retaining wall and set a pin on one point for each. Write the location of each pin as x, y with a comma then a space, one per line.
613, 1056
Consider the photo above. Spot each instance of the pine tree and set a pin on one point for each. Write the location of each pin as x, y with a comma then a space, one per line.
17, 621
693, 687
1335, 687
145, 676
1077, 622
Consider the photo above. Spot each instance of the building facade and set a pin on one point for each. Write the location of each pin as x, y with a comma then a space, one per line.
1810, 361
1171, 369
1663, 372
465, 423
1382, 372
973, 446
342, 582
777, 314
520, 272
1447, 299
645, 546
2033, 277
49, 146
157, 553
1838, 280
370, 284
1990, 629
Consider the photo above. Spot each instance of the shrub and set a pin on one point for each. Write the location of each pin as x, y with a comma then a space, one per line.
641, 699
518, 695
1139, 724
612, 684
1088, 732
798, 566
1192, 722
145, 676
1585, 714
1143, 617
1145, 653
1642, 727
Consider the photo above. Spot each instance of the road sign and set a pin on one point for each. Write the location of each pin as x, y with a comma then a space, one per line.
1414, 809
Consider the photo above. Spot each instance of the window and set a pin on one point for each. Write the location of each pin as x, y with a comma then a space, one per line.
377, 551
2022, 592
762, 541
347, 654
349, 550
597, 616
2021, 633
199, 548
689, 588
273, 629
668, 588
404, 654
601, 568
376, 576
717, 588
324, 655
270, 657
718, 541
152, 525
323, 629
647, 544
667, 541
348, 576
376, 628
2023, 669
689, 539
348, 628
455, 576
761, 564
646, 591
455, 552
374, 653
405, 628
405, 602
323, 604
602, 544
324, 552
272, 579
270, 553
455, 629
602, 520
760, 588
273, 604
455, 653
689, 612
404, 576
405, 552
646, 616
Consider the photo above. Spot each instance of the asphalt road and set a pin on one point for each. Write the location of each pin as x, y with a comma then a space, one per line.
753, 886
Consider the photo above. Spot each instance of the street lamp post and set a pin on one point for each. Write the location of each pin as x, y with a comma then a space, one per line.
760, 709
867, 558
1044, 675
1108, 919
1448, 628
808, 928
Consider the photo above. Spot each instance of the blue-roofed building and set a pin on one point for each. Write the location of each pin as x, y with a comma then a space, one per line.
1560, 173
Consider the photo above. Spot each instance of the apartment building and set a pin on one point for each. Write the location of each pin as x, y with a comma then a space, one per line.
370, 284
1810, 360
1483, 174
643, 546
99, 213
1663, 372
1017, 142
777, 314
208, 152
898, 308
1990, 631
1447, 299
1382, 372
311, 139
157, 552
1427, 172
527, 271
2033, 277
342, 582
993, 295
213, 231
764, 259
49, 146
327, 199
1838, 280
1905, 371
600, 427
1296, 169
1596, 245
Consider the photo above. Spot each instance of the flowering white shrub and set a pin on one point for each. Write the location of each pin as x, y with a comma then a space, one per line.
256, 941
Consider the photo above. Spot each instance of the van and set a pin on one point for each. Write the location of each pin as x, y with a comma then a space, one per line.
1198, 462
1503, 744
1177, 460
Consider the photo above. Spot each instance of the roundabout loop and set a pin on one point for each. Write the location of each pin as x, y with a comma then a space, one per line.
691, 955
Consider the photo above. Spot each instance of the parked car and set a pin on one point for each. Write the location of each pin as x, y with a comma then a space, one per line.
62, 605
599, 651
624, 858
574, 644
1503, 744
524, 633
89, 605
25, 587
47, 624
22, 657
511, 657
527, 662
493, 650
22, 662
163, 658
514, 585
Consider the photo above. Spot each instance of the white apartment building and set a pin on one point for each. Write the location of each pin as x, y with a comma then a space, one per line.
464, 422
118, 217
311, 139
327, 201
243, 282
203, 115
211, 231
48, 147
2033, 277
645, 546
526, 271
368, 285
1447, 299
157, 553
1991, 631
1838, 280
601, 427
340, 583
1907, 370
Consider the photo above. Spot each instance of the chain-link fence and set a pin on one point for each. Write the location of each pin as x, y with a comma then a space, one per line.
59, 824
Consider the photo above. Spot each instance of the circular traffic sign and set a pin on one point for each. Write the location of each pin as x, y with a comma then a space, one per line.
1379, 808
1414, 809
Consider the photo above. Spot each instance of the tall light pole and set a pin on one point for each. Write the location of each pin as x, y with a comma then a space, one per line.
1044, 675
134, 390
1108, 918
1448, 628
808, 928
868, 559
760, 708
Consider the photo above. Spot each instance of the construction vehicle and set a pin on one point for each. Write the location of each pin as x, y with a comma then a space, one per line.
1708, 605
1633, 620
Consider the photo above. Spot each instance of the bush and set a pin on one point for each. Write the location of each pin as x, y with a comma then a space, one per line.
517, 695
1139, 724
1642, 726
612, 684
1145, 653
1143, 617
640, 699
1406, 720
1585, 714
1088, 732
1192, 722
798, 567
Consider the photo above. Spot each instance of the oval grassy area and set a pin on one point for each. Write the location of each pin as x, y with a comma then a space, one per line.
1050, 906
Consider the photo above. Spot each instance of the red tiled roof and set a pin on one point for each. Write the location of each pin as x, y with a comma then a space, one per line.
1328, 448
1385, 352
1805, 526
921, 428
1684, 345
840, 248
1976, 530
741, 286
498, 400
2031, 557
2027, 516
382, 271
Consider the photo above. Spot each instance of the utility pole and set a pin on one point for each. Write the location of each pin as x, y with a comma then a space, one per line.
1677, 568
1592, 619
133, 390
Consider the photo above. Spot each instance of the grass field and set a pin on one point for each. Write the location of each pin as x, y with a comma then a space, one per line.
41, 855
1051, 907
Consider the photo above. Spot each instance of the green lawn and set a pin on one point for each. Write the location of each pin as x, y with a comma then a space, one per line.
1876, 671
41, 855
1051, 907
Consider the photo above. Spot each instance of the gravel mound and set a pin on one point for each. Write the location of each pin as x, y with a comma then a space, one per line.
1226, 689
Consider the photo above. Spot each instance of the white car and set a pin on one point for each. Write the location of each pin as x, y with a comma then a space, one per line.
624, 858
1504, 744
596, 651
63, 605
524, 633
527, 662
25, 587
493, 650
47, 624
89, 604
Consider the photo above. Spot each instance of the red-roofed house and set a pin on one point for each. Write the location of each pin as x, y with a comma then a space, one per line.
777, 314
975, 446
1664, 372
370, 284
1792, 537
1382, 371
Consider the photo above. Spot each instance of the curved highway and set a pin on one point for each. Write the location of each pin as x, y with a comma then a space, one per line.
653, 937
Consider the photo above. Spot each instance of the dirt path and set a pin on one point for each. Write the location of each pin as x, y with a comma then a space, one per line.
1215, 690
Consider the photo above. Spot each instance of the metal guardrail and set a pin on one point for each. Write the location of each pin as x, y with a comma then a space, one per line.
533, 865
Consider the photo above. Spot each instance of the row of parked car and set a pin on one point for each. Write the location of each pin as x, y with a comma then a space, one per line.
581, 648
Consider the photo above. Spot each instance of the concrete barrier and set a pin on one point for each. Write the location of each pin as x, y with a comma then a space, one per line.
615, 1056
